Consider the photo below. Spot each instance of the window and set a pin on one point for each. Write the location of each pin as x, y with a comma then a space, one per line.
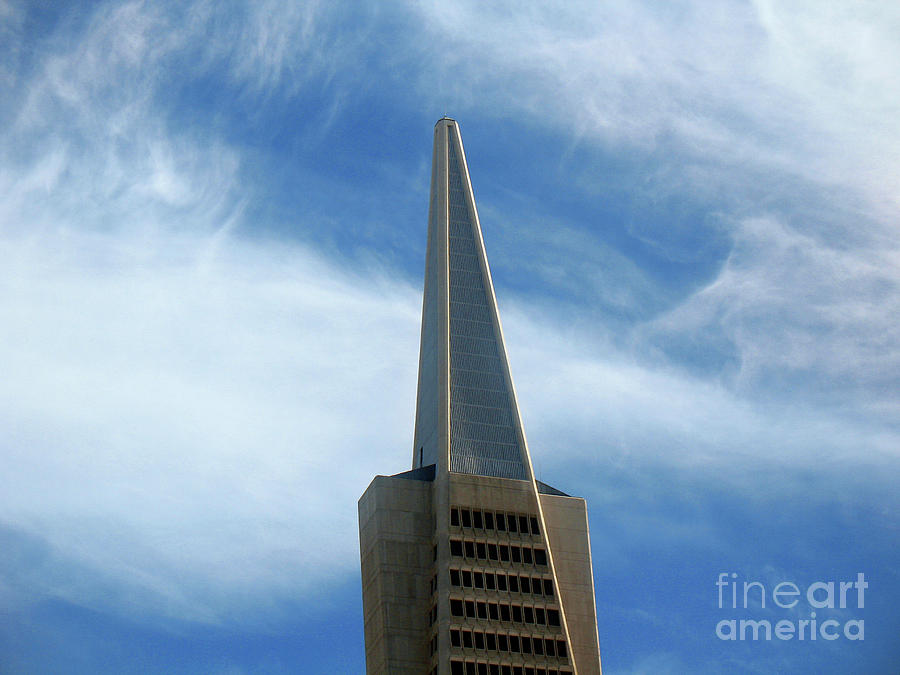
470, 549
470, 668
454, 517
517, 613
513, 584
525, 584
514, 644
517, 670
529, 614
540, 557
470, 609
539, 616
467, 639
526, 644
467, 578
504, 553
561, 648
503, 643
504, 613
501, 582
490, 581
526, 555
454, 638
493, 611
495, 669
523, 524
479, 640
454, 578
549, 647
482, 550
534, 526
456, 548
501, 522
478, 579
492, 551
456, 668
536, 586
516, 554
482, 610
488, 520
506, 670
511, 523
538, 646
482, 669
553, 617
466, 518
548, 586
456, 607
476, 520
491, 641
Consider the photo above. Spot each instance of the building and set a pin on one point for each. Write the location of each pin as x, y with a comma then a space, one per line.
470, 566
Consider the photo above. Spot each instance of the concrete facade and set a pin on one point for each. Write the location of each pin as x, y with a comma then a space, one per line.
469, 565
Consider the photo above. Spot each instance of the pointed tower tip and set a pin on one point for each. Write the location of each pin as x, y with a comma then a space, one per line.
444, 119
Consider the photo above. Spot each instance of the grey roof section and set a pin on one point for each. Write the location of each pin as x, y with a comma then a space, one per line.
545, 489
423, 473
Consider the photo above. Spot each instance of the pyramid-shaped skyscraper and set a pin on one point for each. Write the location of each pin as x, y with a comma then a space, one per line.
469, 564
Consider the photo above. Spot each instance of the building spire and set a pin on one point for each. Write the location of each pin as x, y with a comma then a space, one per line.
467, 418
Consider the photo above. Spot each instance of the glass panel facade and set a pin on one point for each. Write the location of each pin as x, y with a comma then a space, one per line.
483, 440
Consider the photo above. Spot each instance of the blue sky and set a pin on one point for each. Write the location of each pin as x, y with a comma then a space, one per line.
212, 222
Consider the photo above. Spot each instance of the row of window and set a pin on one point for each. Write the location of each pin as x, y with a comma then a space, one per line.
500, 611
515, 523
472, 668
500, 581
514, 644
483, 550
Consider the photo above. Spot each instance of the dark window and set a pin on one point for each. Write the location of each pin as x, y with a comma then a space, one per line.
514, 643
506, 670
529, 670
489, 581
454, 578
553, 617
482, 669
513, 584
503, 643
495, 669
476, 520
482, 550
491, 640
511, 523
466, 517
454, 638
534, 526
517, 613
470, 668
526, 644
456, 547
561, 649
488, 520
478, 579
467, 578
517, 670
493, 611
549, 647
525, 583
529, 614
479, 640
492, 551
523, 524
539, 647
482, 610
526, 555
454, 517
456, 607
504, 552
470, 549
470, 609
501, 522
516, 554
467, 639
501, 582
456, 668
536, 586
540, 556
504, 613
541, 671
548, 586
539, 616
